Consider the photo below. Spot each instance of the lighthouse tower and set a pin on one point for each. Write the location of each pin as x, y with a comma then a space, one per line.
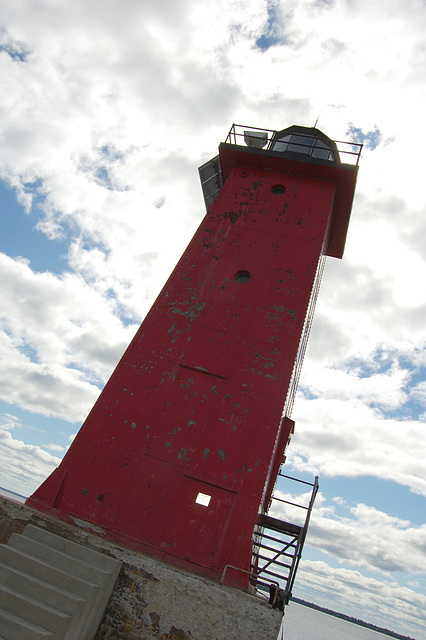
179, 456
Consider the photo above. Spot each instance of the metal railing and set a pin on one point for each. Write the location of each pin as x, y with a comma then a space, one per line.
349, 152
277, 548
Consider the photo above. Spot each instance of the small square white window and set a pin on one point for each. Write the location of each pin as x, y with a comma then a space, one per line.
203, 499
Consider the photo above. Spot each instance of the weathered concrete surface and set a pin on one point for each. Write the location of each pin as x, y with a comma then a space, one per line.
152, 600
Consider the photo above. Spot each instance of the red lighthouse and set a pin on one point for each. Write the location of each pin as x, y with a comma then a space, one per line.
179, 455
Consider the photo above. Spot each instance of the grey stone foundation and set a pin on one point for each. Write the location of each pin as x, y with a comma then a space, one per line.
152, 600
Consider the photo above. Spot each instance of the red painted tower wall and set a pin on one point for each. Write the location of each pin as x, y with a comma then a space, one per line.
195, 404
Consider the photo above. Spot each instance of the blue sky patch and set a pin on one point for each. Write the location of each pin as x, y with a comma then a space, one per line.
37, 428
103, 179
371, 139
384, 495
18, 54
20, 236
269, 39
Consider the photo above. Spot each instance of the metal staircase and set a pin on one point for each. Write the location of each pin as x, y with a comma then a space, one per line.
51, 588
277, 549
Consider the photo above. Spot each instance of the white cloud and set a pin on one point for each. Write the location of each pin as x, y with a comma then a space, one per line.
54, 447
381, 547
383, 602
23, 466
348, 438
59, 340
365, 538
8, 422
386, 390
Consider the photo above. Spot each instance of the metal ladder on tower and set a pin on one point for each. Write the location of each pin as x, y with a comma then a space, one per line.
277, 549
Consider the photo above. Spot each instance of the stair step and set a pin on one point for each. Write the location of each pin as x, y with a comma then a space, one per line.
34, 612
43, 592
51, 587
91, 557
57, 559
78, 551
16, 628
46, 572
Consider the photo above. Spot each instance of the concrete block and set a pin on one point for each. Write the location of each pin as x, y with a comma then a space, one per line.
45, 572
82, 560
15, 628
57, 559
78, 551
34, 612
95, 609
45, 593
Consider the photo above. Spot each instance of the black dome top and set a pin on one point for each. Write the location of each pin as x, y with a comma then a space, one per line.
306, 141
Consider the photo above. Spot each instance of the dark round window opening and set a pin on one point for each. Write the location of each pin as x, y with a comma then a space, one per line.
278, 189
242, 276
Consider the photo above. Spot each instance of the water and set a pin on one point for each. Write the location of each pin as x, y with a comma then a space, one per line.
303, 623
12, 495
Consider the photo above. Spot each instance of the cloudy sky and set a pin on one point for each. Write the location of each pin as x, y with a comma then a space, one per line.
107, 110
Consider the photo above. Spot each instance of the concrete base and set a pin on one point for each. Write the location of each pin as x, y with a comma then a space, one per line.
152, 600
